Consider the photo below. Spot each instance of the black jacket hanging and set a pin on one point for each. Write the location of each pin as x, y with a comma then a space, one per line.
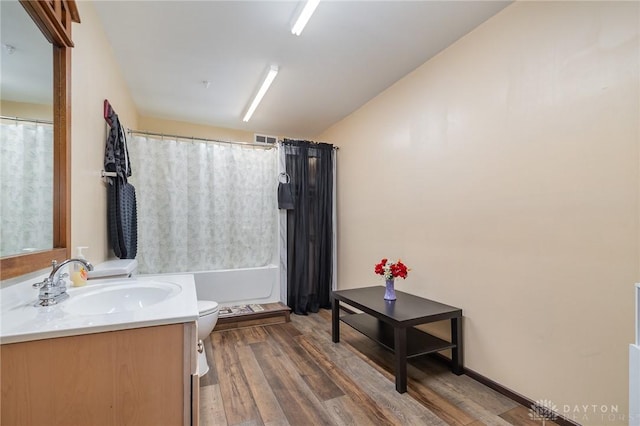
116, 154
122, 218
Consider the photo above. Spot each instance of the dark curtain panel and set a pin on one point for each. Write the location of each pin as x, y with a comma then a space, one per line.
309, 225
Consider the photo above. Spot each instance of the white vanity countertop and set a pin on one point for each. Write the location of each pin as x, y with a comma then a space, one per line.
20, 321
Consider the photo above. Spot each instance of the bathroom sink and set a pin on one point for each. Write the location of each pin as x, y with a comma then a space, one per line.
120, 297
103, 305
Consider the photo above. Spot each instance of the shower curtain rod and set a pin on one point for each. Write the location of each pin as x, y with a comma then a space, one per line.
163, 135
334, 147
26, 120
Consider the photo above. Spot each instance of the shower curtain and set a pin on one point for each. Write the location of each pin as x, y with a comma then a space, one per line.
310, 225
26, 177
203, 205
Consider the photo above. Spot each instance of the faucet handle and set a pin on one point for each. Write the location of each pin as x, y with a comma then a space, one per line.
60, 282
54, 263
44, 283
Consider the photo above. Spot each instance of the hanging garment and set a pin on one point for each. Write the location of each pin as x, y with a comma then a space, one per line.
285, 193
122, 219
121, 195
116, 155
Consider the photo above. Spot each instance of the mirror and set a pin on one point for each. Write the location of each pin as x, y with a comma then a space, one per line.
53, 18
26, 134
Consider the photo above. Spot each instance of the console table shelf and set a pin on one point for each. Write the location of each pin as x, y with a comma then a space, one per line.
418, 341
391, 323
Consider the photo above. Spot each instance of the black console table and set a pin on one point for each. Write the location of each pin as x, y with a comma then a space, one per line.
391, 323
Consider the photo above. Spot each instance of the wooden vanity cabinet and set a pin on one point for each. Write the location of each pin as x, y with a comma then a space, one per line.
142, 376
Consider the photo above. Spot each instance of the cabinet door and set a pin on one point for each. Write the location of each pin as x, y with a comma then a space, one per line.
149, 376
128, 377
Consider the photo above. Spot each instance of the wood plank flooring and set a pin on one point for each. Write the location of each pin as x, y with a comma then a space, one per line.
292, 374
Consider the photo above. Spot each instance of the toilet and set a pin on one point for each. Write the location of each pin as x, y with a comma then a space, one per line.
207, 309
207, 319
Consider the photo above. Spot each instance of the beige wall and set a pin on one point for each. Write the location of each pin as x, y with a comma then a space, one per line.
95, 77
26, 110
505, 173
181, 128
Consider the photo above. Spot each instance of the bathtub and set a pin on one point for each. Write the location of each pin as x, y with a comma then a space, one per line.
239, 286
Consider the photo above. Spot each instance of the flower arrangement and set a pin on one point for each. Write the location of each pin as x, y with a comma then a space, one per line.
391, 270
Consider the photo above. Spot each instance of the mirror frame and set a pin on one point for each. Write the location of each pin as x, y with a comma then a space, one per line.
54, 18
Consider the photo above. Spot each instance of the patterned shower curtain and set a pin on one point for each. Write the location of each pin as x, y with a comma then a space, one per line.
26, 179
203, 205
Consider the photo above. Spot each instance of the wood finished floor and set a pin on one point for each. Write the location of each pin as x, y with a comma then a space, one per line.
292, 374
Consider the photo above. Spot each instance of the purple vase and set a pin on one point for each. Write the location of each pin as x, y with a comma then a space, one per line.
389, 292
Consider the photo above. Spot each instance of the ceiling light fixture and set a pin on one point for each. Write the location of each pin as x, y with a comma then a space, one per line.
273, 71
304, 16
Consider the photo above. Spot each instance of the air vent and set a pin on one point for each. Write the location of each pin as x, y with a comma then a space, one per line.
265, 139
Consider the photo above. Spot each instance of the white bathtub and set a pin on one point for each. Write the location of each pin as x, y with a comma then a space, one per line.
239, 286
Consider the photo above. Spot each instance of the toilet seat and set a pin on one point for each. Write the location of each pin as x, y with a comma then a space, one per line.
206, 307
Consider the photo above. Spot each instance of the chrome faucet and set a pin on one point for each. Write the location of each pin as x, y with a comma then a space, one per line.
54, 289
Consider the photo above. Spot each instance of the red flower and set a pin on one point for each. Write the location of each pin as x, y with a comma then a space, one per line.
391, 270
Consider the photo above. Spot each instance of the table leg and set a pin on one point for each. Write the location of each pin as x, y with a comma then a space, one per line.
400, 347
457, 363
335, 320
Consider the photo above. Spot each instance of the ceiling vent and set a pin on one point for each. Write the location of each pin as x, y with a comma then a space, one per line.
265, 139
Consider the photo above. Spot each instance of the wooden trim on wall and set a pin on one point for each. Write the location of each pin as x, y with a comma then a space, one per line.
54, 18
62, 153
14, 266
503, 390
520, 399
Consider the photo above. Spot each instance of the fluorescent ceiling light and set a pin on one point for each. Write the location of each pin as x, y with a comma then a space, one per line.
273, 71
304, 16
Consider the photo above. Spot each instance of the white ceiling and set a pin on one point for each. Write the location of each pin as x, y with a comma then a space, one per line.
349, 52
